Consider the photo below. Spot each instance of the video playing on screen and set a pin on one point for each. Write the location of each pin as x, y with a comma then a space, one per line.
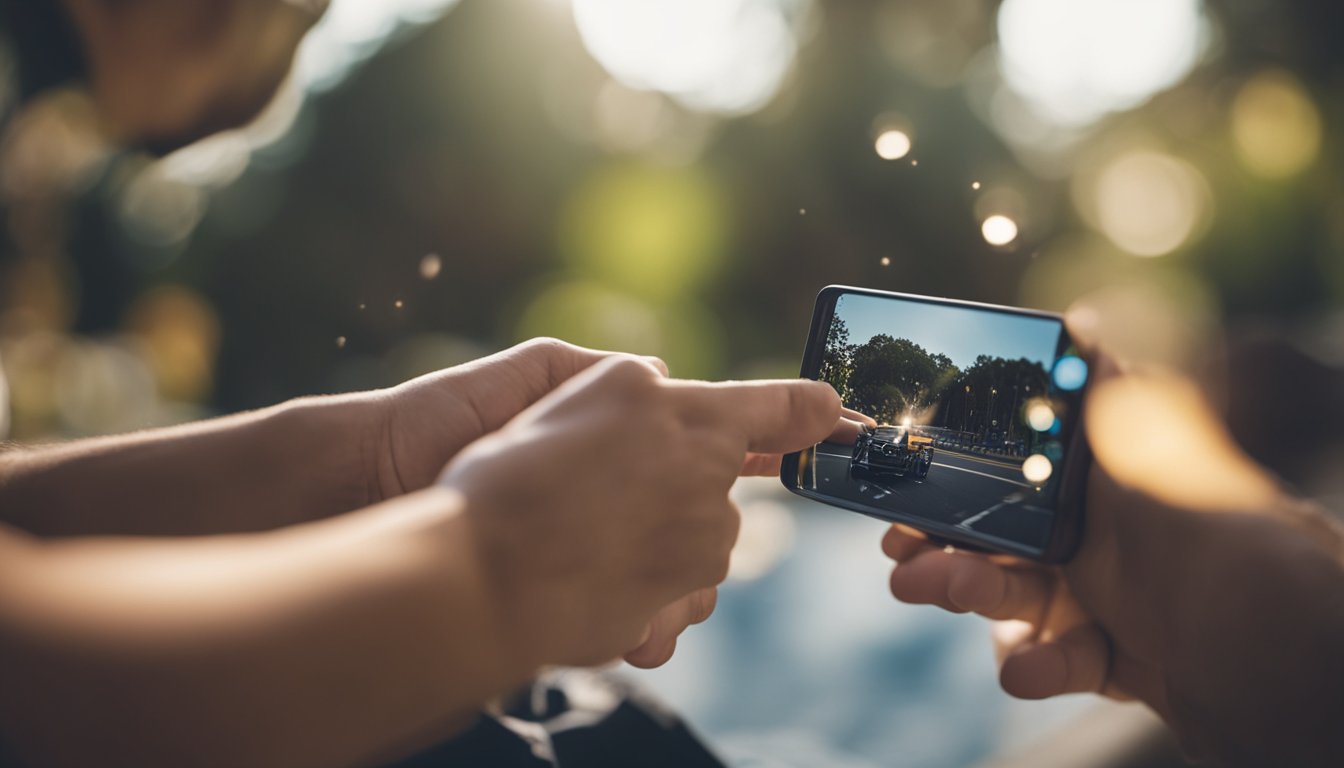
968, 415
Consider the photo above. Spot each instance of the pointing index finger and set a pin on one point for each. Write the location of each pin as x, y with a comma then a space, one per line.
773, 416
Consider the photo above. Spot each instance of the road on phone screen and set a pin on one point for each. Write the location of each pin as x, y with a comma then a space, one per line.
984, 494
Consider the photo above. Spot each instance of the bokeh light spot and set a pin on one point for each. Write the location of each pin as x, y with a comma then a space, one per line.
1276, 126
684, 335
1148, 203
179, 336
159, 211
431, 266
1040, 415
999, 230
1074, 61
1070, 373
1037, 469
351, 31
655, 232
892, 145
722, 56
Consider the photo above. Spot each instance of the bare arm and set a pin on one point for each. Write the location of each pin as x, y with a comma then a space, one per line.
319, 645
295, 462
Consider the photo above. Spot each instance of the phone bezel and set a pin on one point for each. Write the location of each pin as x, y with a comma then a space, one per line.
1067, 524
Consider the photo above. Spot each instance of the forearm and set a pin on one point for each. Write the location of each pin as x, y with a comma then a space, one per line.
257, 471
320, 645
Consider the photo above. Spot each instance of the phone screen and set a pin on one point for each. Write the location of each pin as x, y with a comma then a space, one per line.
974, 408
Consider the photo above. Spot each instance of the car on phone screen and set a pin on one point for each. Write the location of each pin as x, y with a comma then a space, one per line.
888, 452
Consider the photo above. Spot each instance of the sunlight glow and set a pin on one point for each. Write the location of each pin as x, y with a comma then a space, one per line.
1075, 61
720, 56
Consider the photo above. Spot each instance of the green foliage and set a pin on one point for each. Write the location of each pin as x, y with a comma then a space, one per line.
890, 377
988, 398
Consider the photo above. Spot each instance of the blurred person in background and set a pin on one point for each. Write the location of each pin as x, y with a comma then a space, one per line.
342, 580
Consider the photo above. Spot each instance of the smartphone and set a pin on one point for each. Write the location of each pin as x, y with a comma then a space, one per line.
977, 440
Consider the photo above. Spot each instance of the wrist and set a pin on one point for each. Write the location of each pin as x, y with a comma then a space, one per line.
338, 439
513, 646
378, 466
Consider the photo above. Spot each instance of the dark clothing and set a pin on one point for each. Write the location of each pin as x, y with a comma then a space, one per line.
574, 719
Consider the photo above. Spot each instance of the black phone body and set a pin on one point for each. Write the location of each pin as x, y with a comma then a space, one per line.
979, 442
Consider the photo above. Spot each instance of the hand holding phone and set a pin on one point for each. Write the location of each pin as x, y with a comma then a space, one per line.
977, 441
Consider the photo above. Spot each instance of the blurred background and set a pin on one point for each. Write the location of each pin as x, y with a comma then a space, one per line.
440, 179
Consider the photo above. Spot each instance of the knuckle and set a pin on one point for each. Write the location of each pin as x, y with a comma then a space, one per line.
629, 372
546, 346
791, 398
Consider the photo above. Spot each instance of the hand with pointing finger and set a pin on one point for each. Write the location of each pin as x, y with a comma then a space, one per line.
600, 515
